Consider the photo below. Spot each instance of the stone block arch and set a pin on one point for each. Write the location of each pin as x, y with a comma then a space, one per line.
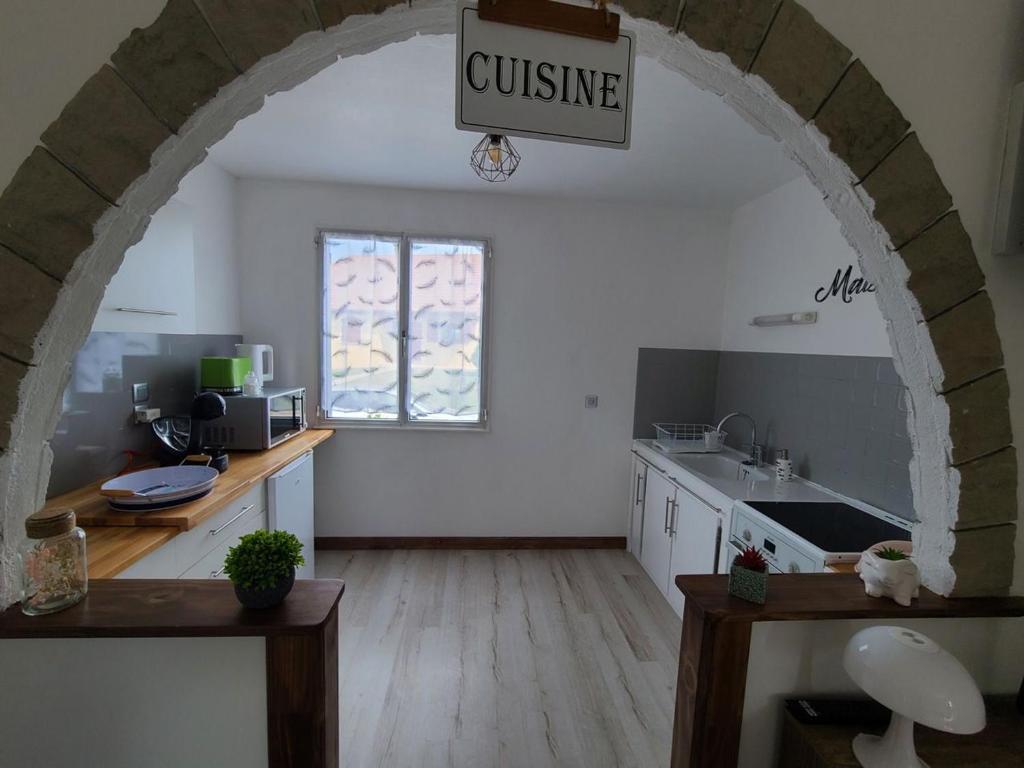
120, 147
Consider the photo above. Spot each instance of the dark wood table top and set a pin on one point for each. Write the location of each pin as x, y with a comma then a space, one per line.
822, 596
177, 608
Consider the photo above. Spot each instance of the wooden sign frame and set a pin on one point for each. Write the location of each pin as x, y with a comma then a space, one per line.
551, 16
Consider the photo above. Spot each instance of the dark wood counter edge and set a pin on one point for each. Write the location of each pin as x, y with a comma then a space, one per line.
826, 596
178, 608
715, 646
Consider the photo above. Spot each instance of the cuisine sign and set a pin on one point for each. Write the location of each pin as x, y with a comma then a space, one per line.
518, 81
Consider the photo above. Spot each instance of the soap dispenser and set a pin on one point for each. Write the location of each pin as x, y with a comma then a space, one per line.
783, 466
252, 386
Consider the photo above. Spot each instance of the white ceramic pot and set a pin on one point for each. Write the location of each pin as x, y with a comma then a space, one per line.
898, 579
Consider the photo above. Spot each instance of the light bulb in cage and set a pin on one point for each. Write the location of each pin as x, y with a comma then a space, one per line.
494, 158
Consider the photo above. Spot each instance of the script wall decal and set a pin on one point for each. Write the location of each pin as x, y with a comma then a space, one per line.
843, 287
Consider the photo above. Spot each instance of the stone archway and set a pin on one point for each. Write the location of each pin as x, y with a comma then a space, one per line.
120, 147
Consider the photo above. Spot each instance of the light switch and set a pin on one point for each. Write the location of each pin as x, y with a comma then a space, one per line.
590, 401
140, 392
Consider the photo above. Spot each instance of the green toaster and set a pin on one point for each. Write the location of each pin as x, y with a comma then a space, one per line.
223, 374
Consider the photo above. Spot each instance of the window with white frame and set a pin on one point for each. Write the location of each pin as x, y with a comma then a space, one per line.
403, 327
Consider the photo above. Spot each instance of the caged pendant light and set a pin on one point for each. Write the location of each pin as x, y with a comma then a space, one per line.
494, 158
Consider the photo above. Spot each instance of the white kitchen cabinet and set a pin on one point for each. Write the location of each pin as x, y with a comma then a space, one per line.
656, 549
200, 552
154, 289
696, 528
682, 529
211, 565
290, 508
638, 487
161, 563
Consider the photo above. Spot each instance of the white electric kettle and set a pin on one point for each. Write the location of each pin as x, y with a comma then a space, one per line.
262, 357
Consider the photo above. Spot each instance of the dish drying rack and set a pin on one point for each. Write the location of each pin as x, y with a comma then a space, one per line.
688, 438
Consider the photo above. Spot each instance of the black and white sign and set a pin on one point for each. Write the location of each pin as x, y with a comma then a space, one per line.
843, 287
543, 85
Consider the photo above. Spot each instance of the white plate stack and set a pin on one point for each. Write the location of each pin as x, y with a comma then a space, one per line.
160, 488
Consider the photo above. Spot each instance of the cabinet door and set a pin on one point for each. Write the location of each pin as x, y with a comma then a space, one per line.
211, 565
695, 531
656, 547
162, 563
156, 279
637, 490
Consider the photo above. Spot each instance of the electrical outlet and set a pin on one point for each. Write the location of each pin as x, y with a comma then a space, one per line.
590, 401
140, 393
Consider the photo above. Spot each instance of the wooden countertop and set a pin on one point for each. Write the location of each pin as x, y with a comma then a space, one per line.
115, 540
109, 550
245, 469
178, 608
821, 596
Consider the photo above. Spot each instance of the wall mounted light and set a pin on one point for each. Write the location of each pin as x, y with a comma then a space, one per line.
494, 158
791, 318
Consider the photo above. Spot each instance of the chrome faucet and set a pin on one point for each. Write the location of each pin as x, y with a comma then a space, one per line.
756, 450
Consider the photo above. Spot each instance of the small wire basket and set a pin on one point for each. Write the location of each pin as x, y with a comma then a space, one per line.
688, 438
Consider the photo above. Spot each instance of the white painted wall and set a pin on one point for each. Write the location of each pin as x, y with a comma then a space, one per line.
576, 289
186, 263
783, 246
131, 702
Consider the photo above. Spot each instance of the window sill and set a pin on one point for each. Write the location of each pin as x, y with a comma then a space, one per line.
396, 427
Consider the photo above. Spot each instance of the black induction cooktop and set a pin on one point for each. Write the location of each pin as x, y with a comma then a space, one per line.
830, 526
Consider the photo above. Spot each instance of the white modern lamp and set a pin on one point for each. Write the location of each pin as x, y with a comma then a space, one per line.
920, 682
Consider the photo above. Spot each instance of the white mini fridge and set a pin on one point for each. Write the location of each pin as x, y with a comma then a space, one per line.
290, 506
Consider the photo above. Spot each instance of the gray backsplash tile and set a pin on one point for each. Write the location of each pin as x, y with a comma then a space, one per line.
843, 419
673, 385
96, 425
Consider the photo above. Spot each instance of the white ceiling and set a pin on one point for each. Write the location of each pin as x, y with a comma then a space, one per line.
387, 118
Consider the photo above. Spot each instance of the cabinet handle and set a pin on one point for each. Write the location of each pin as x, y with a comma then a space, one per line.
718, 546
215, 574
636, 499
138, 311
667, 500
246, 508
675, 516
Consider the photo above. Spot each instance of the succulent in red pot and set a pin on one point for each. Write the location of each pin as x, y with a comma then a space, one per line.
748, 576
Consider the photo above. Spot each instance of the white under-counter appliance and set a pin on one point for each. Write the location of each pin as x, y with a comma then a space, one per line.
290, 506
808, 536
256, 423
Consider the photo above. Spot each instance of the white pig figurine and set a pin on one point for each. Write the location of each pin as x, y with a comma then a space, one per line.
897, 579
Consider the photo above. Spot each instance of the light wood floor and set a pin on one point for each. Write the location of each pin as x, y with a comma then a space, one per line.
503, 658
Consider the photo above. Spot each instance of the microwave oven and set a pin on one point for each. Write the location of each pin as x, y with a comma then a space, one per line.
258, 422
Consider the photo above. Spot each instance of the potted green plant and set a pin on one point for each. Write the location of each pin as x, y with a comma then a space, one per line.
262, 567
748, 576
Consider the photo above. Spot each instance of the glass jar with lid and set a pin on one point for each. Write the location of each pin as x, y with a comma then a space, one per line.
53, 565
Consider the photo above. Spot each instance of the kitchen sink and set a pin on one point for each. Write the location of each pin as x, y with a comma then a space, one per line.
718, 467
